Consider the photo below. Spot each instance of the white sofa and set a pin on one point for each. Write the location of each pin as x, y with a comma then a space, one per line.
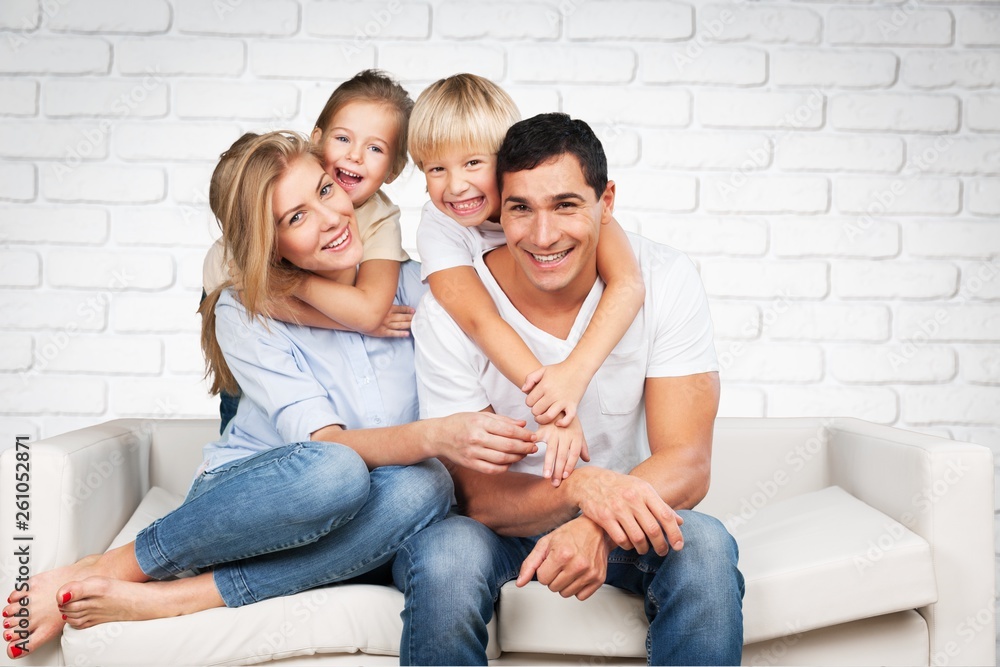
860, 544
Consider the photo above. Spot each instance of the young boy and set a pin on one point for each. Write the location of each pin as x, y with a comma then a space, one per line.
456, 128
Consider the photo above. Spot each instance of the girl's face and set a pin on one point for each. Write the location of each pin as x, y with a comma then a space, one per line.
359, 147
316, 229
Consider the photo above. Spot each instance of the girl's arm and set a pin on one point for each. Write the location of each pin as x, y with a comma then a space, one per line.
559, 388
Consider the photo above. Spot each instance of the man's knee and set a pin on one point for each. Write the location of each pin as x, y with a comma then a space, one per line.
708, 537
452, 550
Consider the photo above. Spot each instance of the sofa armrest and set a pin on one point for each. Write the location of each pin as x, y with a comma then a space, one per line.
943, 491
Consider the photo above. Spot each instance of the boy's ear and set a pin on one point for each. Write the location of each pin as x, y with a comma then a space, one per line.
316, 135
608, 200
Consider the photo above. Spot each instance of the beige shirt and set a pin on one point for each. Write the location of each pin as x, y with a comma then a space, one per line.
378, 225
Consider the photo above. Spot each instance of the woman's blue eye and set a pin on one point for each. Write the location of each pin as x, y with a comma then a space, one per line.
325, 190
295, 218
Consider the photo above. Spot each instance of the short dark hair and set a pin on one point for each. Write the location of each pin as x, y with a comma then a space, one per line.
533, 141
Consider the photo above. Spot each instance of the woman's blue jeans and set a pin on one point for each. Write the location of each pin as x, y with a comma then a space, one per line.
293, 518
452, 572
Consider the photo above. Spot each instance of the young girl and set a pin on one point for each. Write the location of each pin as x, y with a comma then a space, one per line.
324, 471
456, 128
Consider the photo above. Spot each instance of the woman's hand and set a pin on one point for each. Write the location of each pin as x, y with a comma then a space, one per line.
481, 441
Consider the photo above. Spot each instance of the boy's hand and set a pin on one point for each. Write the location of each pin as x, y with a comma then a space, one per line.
553, 390
563, 448
396, 323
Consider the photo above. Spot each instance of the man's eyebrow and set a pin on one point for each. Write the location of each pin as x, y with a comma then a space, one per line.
515, 200
319, 186
563, 196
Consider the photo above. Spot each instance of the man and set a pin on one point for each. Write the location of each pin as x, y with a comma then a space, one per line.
625, 519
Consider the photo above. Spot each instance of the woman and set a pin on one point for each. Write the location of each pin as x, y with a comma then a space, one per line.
324, 471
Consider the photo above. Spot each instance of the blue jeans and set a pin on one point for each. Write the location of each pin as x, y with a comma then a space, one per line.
293, 518
451, 574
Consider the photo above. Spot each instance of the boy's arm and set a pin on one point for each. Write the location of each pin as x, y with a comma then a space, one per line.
560, 387
361, 307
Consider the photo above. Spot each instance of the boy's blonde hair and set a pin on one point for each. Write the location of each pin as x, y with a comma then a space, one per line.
377, 87
462, 112
240, 195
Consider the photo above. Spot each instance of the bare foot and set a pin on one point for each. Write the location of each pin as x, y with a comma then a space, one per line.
98, 600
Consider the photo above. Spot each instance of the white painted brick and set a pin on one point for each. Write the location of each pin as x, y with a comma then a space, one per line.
108, 355
839, 153
737, 193
174, 141
19, 268
18, 98
873, 364
948, 322
759, 109
164, 226
927, 238
706, 150
741, 402
983, 196
221, 99
111, 270
982, 113
17, 182
904, 26
713, 65
630, 20
246, 17
117, 16
621, 146
146, 98
479, 20
655, 190
764, 279
54, 55
11, 427
53, 310
979, 27
899, 196
830, 322
952, 404
571, 64
309, 60
183, 355
615, 105
894, 280
963, 69
980, 364
834, 237
731, 320
159, 313
367, 21
767, 363
824, 68
955, 155
189, 185
20, 15
708, 236
895, 112
171, 56
980, 281
738, 23
61, 225
16, 352
36, 395
875, 404
162, 398
532, 101
104, 183
71, 143
189, 269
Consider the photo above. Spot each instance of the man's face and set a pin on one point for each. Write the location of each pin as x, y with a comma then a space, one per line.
552, 220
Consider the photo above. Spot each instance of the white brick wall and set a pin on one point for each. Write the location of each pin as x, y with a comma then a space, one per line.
832, 168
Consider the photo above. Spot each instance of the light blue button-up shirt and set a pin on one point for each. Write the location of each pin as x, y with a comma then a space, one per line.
298, 379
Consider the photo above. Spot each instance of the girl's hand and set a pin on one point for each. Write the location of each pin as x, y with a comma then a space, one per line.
564, 447
396, 323
555, 391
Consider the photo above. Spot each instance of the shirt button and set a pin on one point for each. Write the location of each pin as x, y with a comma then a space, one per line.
377, 420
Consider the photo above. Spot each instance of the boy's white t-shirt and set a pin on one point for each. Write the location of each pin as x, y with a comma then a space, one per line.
445, 244
671, 336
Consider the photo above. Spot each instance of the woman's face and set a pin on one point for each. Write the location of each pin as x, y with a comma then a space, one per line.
316, 229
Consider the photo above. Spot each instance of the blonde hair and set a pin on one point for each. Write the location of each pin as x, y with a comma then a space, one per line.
377, 87
462, 112
240, 195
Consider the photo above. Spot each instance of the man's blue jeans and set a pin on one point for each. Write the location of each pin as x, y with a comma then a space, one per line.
293, 518
451, 574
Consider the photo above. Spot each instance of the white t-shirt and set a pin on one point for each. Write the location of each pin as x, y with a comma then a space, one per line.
670, 337
445, 244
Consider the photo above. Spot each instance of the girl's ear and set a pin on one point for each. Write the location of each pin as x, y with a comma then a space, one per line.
390, 178
316, 136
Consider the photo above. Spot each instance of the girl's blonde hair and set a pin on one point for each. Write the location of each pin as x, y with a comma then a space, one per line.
377, 87
240, 195
463, 112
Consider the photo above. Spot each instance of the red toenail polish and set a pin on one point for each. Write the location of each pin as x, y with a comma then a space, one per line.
64, 617
5, 614
7, 624
66, 597
15, 652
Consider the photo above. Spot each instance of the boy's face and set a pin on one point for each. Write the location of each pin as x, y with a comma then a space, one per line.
463, 185
359, 148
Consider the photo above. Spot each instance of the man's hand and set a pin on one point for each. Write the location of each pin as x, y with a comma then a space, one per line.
396, 323
555, 392
563, 448
481, 441
571, 560
628, 509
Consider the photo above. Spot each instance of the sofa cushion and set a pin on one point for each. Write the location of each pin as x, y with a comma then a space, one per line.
812, 561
